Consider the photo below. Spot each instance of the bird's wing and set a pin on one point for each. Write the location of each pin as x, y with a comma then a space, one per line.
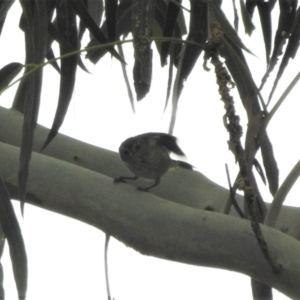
166, 140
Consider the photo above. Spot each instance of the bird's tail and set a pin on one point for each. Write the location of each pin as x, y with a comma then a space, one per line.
182, 164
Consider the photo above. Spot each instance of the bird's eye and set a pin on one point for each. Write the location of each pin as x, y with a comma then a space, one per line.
137, 147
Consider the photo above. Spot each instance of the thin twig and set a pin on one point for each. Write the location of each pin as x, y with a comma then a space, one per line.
281, 194
271, 114
235, 133
231, 199
102, 46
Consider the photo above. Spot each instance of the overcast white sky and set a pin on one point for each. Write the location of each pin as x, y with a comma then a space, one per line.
66, 256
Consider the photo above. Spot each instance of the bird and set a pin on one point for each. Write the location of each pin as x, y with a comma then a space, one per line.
148, 156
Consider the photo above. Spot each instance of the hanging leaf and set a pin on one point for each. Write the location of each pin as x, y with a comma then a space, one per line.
250, 6
270, 164
225, 24
290, 51
50, 54
95, 9
8, 73
68, 42
57, 36
2, 244
160, 14
249, 26
123, 27
239, 70
127, 81
236, 17
51, 57
5, 5
170, 78
273, 2
285, 24
111, 18
266, 24
142, 18
169, 26
27, 98
81, 10
12, 232
198, 33
259, 170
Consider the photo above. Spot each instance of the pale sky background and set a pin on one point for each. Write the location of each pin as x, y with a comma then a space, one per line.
66, 256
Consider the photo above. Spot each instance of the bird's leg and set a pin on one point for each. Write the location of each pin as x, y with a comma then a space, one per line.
146, 189
123, 178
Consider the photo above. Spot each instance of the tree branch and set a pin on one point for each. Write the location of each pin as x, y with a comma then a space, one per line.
152, 225
191, 189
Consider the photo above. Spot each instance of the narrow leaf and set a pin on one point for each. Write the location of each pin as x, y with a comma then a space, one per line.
88, 21
123, 28
68, 42
111, 18
236, 16
169, 26
226, 26
57, 36
170, 78
50, 54
12, 231
5, 5
279, 102
259, 170
249, 26
127, 82
50, 57
2, 244
160, 14
8, 73
290, 51
176, 96
95, 9
270, 164
239, 70
198, 34
264, 10
28, 95
273, 2
142, 18
250, 6
157, 32
285, 24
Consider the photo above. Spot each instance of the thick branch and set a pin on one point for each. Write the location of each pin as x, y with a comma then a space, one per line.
188, 188
152, 225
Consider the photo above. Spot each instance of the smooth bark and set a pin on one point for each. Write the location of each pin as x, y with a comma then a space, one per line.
171, 224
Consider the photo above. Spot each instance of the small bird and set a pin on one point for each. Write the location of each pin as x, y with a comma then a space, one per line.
147, 156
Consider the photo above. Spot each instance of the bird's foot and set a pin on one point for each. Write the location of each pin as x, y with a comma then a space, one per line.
143, 189
124, 178
119, 179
